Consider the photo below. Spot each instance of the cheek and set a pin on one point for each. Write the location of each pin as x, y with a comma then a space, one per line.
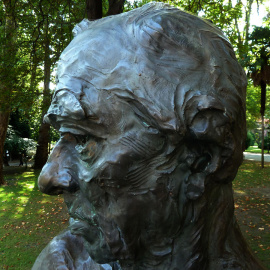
93, 193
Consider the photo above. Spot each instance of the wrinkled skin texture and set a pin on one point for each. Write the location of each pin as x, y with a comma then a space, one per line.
150, 105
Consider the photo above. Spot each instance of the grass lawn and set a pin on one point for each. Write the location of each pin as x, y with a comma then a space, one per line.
30, 219
252, 207
255, 149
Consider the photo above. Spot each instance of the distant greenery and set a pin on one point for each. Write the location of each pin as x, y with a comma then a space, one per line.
255, 149
250, 140
30, 219
17, 145
266, 144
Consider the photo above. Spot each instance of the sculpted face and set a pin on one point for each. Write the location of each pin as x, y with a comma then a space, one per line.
111, 183
152, 127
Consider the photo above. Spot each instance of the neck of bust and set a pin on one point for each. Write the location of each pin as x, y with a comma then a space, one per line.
210, 238
181, 252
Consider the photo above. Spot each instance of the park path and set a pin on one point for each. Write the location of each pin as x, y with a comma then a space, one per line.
256, 157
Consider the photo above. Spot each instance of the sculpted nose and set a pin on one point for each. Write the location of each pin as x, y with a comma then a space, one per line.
53, 179
57, 174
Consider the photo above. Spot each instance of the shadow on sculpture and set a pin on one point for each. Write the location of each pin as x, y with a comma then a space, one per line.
151, 108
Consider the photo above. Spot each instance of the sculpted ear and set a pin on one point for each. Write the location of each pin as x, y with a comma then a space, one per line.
210, 141
209, 125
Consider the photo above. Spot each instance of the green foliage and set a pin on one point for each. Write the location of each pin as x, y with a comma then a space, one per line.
254, 149
54, 135
20, 123
135, 4
266, 143
259, 65
250, 140
105, 7
260, 35
17, 145
252, 105
22, 70
260, 54
15, 58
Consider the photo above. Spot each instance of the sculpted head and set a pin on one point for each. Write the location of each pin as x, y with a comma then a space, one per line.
150, 105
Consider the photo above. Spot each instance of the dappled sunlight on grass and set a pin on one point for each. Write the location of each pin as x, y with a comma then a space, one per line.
28, 174
252, 207
239, 192
248, 171
28, 220
30, 186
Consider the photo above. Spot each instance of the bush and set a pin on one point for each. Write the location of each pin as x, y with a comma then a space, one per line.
250, 140
17, 145
266, 144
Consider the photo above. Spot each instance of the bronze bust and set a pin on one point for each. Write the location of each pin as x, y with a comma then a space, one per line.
150, 105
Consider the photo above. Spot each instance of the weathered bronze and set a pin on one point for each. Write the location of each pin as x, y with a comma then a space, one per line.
150, 105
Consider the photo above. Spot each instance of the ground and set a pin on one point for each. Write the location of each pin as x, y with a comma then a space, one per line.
252, 207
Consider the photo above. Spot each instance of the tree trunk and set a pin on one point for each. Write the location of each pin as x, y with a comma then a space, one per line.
262, 159
44, 130
116, 7
93, 9
263, 99
33, 81
7, 75
242, 38
42, 146
247, 20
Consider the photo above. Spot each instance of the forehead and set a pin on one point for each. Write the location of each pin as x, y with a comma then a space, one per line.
88, 59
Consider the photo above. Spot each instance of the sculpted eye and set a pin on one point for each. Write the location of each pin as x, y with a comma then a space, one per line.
149, 126
147, 122
83, 139
88, 147
200, 163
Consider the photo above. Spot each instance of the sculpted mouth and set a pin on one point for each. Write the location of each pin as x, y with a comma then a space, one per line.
101, 234
79, 215
79, 227
80, 210
86, 227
